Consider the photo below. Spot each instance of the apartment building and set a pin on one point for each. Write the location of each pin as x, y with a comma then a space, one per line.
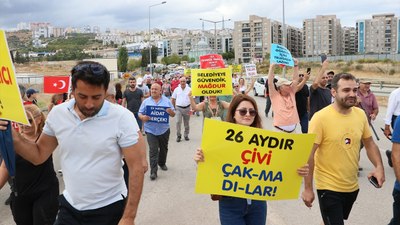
58, 32
350, 42
252, 38
381, 34
322, 34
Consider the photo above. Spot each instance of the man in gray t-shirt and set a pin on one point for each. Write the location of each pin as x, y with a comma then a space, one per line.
320, 95
132, 99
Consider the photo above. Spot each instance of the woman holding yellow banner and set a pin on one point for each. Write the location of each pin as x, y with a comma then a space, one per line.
239, 211
34, 197
211, 108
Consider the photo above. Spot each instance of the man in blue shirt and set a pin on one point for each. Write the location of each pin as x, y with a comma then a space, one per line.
396, 167
154, 112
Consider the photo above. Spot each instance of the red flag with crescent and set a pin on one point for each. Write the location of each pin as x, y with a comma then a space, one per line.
56, 84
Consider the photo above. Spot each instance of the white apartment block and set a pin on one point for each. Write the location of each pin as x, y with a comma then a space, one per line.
381, 34
322, 34
23, 26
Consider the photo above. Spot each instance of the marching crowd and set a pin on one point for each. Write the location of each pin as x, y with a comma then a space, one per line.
99, 132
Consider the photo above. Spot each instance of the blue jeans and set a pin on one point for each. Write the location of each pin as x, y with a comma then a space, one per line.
304, 123
396, 208
236, 211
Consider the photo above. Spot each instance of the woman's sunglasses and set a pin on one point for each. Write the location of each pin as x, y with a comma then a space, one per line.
243, 112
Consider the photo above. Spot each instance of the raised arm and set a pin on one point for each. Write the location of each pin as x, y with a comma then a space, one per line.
250, 87
193, 105
271, 86
295, 76
303, 82
320, 74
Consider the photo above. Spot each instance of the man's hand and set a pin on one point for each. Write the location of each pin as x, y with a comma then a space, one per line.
145, 118
170, 111
387, 132
308, 197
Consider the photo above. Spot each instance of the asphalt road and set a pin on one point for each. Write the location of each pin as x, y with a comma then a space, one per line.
170, 200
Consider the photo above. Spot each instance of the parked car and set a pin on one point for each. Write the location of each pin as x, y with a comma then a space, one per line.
259, 86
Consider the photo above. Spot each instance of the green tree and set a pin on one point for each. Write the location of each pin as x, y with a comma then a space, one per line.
185, 58
228, 55
145, 56
133, 64
19, 58
122, 61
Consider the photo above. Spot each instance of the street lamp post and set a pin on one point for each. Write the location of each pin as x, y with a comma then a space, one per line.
151, 64
215, 31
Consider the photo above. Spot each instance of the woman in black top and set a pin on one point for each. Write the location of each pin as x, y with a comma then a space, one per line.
118, 93
35, 188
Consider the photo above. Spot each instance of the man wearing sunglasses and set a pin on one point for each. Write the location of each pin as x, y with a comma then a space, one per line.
92, 135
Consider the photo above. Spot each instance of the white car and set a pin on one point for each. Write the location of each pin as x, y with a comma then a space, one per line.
259, 86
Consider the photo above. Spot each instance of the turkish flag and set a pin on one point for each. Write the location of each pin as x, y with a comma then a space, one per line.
56, 84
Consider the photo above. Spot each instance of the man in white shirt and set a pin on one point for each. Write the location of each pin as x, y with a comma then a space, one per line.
392, 112
181, 101
92, 135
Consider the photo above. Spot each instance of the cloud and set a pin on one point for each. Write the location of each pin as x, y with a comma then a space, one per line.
133, 14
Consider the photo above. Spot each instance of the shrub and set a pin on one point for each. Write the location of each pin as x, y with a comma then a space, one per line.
392, 71
359, 67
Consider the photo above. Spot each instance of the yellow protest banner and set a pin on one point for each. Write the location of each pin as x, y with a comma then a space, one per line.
236, 68
11, 107
206, 82
253, 163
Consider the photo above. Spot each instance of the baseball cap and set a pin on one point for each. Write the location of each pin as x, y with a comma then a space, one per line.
365, 81
139, 81
282, 81
31, 91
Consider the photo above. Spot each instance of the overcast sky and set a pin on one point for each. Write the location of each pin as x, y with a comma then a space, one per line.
134, 14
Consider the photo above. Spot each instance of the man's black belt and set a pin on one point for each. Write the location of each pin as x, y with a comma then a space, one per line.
183, 107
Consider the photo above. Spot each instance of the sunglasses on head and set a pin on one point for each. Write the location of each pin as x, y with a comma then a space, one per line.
96, 69
243, 112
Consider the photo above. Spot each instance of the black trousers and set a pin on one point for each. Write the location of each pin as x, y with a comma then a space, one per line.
35, 209
158, 150
335, 206
107, 215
